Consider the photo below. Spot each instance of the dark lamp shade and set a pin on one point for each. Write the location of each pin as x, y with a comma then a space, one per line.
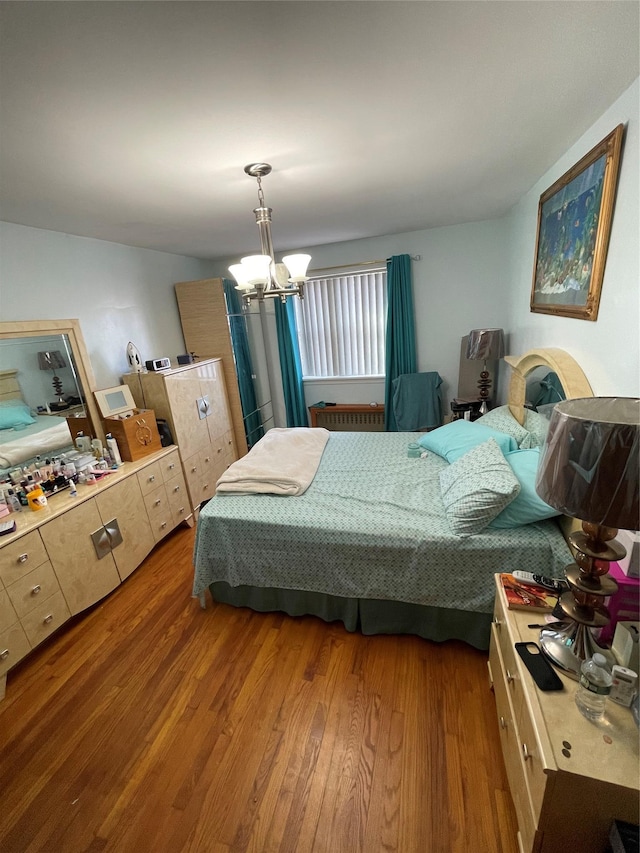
589, 465
51, 360
485, 343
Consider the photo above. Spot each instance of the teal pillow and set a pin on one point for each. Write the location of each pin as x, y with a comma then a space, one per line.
476, 488
453, 440
528, 506
14, 413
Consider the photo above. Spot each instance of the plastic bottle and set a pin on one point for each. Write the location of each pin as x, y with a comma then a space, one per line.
594, 687
13, 501
114, 451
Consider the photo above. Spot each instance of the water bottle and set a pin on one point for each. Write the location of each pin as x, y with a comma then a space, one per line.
594, 687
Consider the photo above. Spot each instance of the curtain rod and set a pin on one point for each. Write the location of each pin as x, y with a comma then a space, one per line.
361, 264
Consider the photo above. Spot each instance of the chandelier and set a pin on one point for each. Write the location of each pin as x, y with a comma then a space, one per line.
259, 276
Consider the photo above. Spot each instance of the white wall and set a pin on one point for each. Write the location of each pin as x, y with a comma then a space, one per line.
118, 293
609, 349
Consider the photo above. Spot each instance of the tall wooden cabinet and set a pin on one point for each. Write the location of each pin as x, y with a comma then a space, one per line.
193, 400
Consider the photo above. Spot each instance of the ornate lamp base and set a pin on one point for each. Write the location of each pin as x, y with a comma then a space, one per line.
569, 644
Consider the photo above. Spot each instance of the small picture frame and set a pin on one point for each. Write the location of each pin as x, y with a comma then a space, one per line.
574, 224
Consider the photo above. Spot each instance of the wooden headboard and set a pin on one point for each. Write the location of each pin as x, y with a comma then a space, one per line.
9, 387
569, 372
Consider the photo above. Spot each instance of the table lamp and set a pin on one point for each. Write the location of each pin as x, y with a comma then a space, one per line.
589, 470
487, 344
52, 360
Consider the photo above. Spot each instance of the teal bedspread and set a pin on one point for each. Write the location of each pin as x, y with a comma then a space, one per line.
370, 526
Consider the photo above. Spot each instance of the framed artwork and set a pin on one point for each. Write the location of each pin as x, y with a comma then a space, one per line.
574, 224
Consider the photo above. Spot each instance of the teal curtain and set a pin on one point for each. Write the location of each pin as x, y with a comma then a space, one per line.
290, 364
252, 418
401, 336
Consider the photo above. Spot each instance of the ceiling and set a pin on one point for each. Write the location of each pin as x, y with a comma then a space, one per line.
132, 121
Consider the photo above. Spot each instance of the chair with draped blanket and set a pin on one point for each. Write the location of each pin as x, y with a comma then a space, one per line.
417, 402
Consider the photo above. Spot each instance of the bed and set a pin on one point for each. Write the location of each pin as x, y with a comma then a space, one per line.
371, 543
23, 433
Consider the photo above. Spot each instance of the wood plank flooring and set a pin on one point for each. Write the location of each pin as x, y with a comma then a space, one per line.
149, 724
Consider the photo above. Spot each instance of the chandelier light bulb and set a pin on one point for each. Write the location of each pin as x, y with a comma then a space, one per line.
258, 269
239, 272
297, 266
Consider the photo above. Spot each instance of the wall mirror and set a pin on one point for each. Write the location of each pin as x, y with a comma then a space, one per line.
46, 384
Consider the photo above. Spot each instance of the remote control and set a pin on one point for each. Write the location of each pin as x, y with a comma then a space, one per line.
528, 578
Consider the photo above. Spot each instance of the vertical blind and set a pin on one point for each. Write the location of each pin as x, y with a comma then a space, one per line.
341, 325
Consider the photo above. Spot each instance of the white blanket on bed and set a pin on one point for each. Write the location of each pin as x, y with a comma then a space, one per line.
283, 462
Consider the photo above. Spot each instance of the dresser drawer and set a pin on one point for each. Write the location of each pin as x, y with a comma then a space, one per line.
45, 618
14, 645
156, 502
150, 477
532, 761
200, 477
18, 558
511, 744
506, 642
178, 498
29, 591
170, 466
8, 615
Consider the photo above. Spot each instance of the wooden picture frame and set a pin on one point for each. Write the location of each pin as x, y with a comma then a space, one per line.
574, 224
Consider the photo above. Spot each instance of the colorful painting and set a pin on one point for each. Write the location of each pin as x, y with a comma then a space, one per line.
574, 223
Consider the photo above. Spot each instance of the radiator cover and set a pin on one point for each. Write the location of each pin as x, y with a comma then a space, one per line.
348, 417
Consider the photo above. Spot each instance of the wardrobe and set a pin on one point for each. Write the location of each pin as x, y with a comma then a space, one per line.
212, 330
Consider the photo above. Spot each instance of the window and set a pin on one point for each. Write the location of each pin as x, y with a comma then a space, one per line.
341, 325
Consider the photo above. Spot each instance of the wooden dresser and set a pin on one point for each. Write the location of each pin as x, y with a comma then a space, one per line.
569, 778
70, 554
193, 400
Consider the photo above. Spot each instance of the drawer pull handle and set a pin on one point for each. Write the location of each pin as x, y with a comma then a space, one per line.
176, 489
23, 558
163, 525
496, 622
158, 502
36, 589
503, 723
47, 619
172, 466
510, 677
181, 510
152, 478
525, 752
4, 654
207, 459
194, 469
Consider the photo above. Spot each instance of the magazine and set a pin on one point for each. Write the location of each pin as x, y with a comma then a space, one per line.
522, 596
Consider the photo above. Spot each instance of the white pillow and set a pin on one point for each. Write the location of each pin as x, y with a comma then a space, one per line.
477, 487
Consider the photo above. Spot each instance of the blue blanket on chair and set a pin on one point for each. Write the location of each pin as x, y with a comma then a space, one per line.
417, 403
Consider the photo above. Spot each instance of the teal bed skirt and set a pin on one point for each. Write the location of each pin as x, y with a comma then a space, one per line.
369, 616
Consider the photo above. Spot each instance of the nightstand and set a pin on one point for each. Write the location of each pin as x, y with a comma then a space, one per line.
569, 778
78, 410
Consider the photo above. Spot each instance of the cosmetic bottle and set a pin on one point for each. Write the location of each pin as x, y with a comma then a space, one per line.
114, 451
37, 499
13, 501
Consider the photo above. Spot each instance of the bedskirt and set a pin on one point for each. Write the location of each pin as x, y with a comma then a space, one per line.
369, 616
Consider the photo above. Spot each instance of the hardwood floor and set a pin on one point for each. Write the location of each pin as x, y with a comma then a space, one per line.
151, 725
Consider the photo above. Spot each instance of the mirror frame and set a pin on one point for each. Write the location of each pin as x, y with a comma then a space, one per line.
71, 328
569, 372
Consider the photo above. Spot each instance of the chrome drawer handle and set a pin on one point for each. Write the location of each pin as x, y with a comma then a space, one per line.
172, 466
4, 654
158, 502
496, 622
503, 723
23, 558
207, 459
176, 489
525, 752
47, 619
181, 510
194, 469
510, 677
163, 525
36, 589
152, 478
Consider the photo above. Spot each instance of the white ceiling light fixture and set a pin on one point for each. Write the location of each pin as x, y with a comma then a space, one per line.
259, 276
